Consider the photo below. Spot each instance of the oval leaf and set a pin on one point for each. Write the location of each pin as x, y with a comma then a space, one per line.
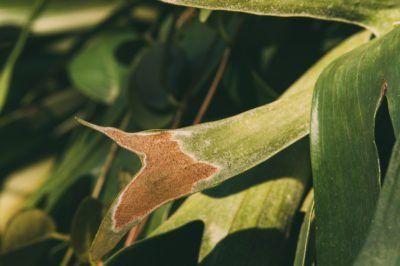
84, 226
96, 72
27, 227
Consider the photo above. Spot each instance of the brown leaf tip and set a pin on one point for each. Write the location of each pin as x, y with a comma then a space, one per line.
167, 173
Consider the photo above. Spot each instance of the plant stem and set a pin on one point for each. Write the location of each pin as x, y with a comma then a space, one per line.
214, 86
67, 257
135, 232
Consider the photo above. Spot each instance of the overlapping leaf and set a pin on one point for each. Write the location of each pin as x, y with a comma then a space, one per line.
345, 159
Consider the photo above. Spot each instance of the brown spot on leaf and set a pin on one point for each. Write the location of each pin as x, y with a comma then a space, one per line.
167, 173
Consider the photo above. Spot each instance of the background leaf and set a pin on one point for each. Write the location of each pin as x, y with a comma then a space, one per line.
95, 70
19, 186
84, 226
26, 227
29, 128
85, 147
8, 68
56, 17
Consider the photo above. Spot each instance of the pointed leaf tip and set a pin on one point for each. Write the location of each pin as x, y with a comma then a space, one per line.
88, 124
167, 173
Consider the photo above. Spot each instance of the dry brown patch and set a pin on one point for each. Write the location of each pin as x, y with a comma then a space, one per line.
168, 173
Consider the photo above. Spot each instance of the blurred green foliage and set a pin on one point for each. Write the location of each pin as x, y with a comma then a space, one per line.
140, 65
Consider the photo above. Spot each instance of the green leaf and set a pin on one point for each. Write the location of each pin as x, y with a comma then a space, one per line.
207, 154
344, 155
247, 219
84, 226
8, 68
305, 237
375, 15
57, 16
95, 70
27, 227
382, 245
179, 247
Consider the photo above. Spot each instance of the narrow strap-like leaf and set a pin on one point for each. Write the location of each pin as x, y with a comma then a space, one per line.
6, 74
303, 243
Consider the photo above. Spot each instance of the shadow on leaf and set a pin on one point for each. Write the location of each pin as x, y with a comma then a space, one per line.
179, 247
251, 247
